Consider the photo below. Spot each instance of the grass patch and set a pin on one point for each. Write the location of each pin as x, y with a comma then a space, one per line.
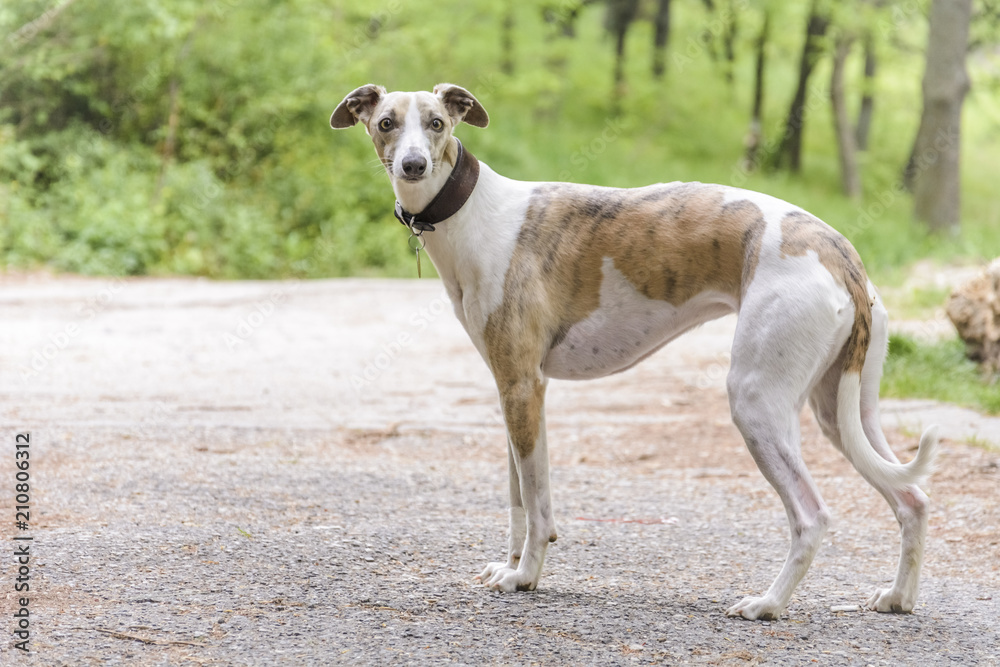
921, 302
911, 303
938, 371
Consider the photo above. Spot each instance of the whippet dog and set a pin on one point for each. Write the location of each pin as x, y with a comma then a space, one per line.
558, 280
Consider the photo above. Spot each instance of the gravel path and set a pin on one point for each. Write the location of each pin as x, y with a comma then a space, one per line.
312, 473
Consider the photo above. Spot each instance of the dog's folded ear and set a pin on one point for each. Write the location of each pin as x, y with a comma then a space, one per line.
461, 105
358, 105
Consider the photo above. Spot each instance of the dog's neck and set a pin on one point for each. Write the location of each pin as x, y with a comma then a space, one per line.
415, 197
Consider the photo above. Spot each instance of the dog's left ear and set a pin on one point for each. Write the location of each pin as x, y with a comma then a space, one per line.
358, 105
461, 105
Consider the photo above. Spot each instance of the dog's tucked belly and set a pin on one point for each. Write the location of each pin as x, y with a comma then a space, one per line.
626, 328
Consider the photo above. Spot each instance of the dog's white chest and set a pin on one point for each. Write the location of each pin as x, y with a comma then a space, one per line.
626, 327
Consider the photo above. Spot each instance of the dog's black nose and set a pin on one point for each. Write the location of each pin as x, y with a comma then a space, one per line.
414, 165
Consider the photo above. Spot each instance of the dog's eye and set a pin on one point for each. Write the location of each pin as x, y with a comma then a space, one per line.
436, 124
385, 125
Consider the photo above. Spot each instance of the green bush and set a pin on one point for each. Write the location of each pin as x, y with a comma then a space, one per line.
257, 185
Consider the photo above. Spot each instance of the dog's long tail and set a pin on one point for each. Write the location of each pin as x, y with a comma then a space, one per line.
872, 466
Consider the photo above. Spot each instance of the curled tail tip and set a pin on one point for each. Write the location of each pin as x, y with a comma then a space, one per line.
927, 452
929, 442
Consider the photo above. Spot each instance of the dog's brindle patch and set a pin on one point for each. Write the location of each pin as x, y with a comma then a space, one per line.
671, 241
801, 232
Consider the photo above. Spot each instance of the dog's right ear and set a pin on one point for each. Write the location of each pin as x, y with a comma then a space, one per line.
358, 105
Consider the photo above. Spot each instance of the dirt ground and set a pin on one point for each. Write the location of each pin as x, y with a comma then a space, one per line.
313, 472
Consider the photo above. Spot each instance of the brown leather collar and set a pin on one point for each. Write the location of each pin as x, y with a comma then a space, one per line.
449, 199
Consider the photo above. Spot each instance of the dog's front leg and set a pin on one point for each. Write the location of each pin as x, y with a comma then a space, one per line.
531, 523
518, 526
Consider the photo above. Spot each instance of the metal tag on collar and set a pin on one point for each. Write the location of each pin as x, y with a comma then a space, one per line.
416, 243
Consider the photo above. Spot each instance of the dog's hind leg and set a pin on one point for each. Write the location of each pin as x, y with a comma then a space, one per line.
523, 403
910, 504
770, 429
778, 354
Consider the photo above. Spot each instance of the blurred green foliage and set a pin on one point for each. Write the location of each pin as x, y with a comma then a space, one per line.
938, 370
251, 182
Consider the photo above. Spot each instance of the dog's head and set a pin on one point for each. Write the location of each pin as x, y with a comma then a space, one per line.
412, 132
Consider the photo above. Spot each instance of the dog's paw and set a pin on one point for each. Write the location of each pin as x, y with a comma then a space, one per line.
491, 569
889, 600
500, 577
755, 609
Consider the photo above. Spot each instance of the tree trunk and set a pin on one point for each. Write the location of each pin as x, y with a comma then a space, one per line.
661, 38
849, 178
863, 127
563, 16
790, 150
728, 41
754, 136
933, 169
507, 39
620, 15
619, 75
